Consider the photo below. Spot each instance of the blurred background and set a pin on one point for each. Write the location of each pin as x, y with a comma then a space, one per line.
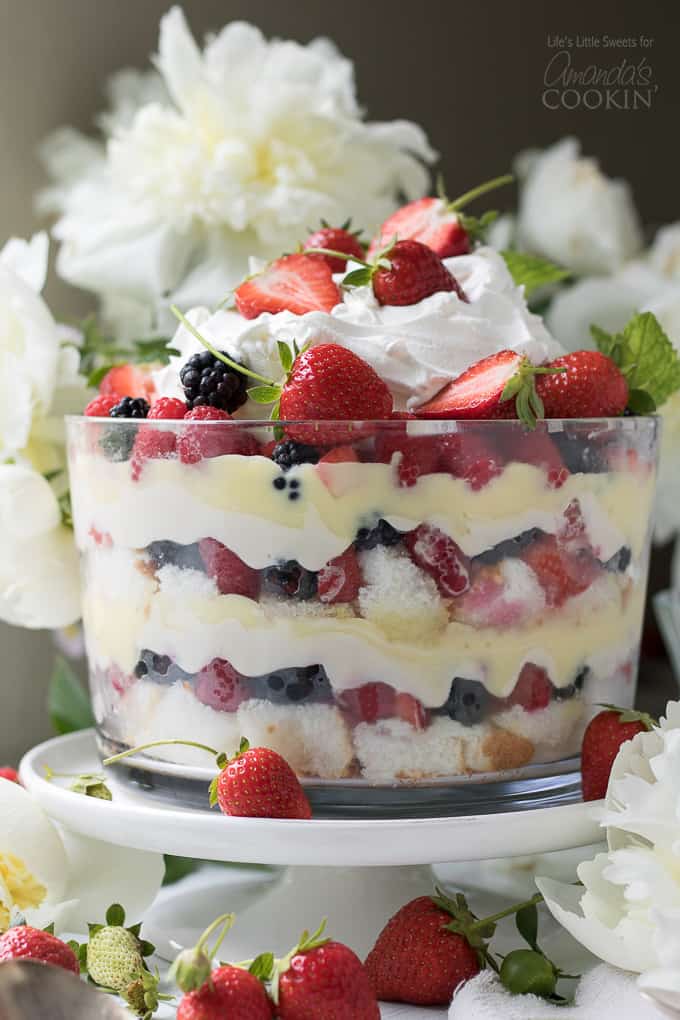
471, 75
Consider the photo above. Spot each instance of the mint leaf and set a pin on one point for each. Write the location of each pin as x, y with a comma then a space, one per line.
264, 394
645, 355
67, 702
285, 355
358, 278
262, 966
155, 349
640, 402
476, 227
531, 272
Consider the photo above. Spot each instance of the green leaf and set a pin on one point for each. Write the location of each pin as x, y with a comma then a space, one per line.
264, 394
115, 916
262, 966
177, 868
95, 377
531, 272
640, 402
285, 355
526, 920
50, 928
154, 349
477, 226
645, 355
213, 792
67, 703
146, 948
358, 278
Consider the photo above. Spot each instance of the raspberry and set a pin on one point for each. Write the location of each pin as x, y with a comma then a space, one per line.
440, 557
340, 579
100, 406
468, 456
197, 443
150, 444
533, 689
219, 686
168, 407
231, 574
419, 455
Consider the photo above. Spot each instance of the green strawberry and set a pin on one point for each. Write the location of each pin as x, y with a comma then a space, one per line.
143, 997
115, 955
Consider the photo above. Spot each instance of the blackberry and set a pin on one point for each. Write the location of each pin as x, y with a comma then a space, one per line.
289, 453
620, 561
290, 580
509, 547
467, 702
164, 554
116, 442
207, 380
130, 407
581, 456
297, 684
380, 534
159, 668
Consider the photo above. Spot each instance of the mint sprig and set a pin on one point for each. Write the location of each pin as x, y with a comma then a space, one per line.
647, 358
99, 352
532, 272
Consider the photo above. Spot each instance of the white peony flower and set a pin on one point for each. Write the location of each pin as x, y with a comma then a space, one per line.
570, 212
39, 383
48, 874
628, 911
228, 151
664, 254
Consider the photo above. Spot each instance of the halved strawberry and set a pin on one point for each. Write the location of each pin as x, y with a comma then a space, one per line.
127, 381
470, 456
560, 574
477, 393
340, 579
295, 283
411, 710
533, 689
368, 703
340, 455
231, 574
429, 221
440, 557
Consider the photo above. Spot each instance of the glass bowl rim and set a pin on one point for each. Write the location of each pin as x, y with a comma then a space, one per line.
631, 422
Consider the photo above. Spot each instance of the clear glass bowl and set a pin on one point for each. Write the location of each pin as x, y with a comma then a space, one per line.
418, 614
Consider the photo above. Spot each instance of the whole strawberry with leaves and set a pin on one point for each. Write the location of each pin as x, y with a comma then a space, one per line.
602, 741
23, 942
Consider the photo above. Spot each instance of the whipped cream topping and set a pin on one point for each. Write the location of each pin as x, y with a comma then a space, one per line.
416, 348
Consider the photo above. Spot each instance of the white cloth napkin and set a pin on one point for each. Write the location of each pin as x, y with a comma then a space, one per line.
602, 994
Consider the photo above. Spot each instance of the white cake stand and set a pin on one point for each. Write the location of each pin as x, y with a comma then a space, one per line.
355, 872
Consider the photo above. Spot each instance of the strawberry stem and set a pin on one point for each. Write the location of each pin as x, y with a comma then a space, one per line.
226, 920
158, 743
632, 715
515, 909
337, 255
218, 354
481, 189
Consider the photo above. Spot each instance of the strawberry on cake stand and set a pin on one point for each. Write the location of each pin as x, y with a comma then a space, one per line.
378, 523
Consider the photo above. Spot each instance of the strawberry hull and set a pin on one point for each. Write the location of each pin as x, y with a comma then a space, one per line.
402, 602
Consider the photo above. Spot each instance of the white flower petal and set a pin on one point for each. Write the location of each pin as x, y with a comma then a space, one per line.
664, 254
40, 580
28, 259
27, 504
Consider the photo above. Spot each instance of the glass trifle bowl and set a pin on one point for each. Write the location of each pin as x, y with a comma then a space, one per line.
416, 613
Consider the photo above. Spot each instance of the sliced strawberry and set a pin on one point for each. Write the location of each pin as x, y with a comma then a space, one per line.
477, 392
417, 455
197, 442
340, 579
100, 406
533, 689
496, 600
150, 444
294, 283
340, 455
412, 711
426, 220
127, 381
440, 557
220, 687
573, 534
231, 574
368, 703
560, 574
413, 272
535, 448
470, 456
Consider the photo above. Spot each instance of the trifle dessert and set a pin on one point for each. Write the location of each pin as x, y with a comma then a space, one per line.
428, 563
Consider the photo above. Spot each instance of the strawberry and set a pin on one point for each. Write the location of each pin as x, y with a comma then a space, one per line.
338, 239
591, 387
426, 220
168, 407
533, 689
440, 557
258, 783
478, 392
418, 455
100, 406
340, 455
295, 283
560, 574
229, 992
6, 772
414, 273
150, 444
25, 943
426, 952
196, 443
323, 980
340, 579
411, 710
329, 383
127, 381
470, 456
535, 448
231, 574
368, 703
219, 686
601, 742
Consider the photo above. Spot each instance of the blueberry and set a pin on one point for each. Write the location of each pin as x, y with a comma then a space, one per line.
159, 668
573, 689
620, 561
290, 580
381, 533
295, 685
289, 453
164, 554
580, 455
509, 547
279, 482
467, 702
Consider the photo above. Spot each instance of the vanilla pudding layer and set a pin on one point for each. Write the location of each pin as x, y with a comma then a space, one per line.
233, 499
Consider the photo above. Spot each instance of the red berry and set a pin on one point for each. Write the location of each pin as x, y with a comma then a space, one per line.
426, 220
416, 959
6, 772
533, 689
150, 444
340, 455
259, 783
26, 943
592, 387
326, 983
168, 407
231, 574
415, 272
294, 283
219, 686
471, 457
411, 710
601, 742
418, 455
560, 574
127, 381
477, 392
340, 579
194, 443
440, 557
535, 448
230, 992
337, 239
330, 383
100, 406
368, 703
